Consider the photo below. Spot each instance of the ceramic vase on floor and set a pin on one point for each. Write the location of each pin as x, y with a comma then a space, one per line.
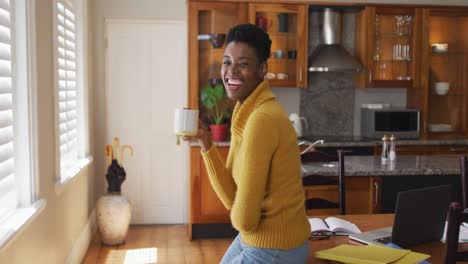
113, 216
113, 210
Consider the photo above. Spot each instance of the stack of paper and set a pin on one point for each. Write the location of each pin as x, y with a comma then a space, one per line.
371, 254
462, 236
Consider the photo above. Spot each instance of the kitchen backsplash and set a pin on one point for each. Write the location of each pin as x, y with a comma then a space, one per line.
328, 104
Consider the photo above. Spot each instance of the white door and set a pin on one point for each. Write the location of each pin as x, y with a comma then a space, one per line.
146, 73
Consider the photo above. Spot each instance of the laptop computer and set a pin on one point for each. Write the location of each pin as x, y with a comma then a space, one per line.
419, 218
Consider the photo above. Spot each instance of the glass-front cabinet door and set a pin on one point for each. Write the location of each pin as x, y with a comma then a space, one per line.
208, 26
445, 71
391, 50
285, 24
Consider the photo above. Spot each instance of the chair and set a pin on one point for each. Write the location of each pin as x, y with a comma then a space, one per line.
464, 179
455, 217
325, 194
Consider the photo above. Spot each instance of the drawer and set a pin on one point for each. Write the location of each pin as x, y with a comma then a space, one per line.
453, 149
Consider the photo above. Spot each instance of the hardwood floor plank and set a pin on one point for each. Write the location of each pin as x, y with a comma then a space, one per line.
160, 243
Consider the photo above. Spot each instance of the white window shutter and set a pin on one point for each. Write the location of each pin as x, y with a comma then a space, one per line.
67, 86
8, 192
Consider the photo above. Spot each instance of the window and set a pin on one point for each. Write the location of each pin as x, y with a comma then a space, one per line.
18, 137
71, 103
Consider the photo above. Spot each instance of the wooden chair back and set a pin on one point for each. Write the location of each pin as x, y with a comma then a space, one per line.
455, 217
325, 194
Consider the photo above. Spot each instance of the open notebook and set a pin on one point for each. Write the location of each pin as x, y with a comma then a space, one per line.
332, 226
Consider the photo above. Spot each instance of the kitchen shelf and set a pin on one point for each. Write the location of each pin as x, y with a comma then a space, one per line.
450, 53
405, 36
395, 61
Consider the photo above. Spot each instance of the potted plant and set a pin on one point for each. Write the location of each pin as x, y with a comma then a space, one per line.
214, 100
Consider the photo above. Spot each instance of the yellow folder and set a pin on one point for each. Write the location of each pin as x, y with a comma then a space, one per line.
370, 254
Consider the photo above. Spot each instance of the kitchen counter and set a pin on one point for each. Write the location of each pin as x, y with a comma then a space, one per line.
359, 142
365, 142
373, 166
218, 144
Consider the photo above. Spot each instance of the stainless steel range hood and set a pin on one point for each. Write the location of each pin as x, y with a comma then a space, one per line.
331, 56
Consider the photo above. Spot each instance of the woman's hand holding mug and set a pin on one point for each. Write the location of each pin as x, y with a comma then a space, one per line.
187, 125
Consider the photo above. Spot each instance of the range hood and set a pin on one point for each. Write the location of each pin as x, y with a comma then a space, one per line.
331, 56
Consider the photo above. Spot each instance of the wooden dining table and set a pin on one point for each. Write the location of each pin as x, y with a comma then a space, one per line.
371, 222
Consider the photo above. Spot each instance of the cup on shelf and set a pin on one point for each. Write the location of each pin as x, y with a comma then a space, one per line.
282, 76
283, 22
217, 39
263, 22
279, 54
292, 54
439, 47
270, 76
441, 88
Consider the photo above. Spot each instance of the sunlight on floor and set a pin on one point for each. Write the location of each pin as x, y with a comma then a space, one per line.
133, 256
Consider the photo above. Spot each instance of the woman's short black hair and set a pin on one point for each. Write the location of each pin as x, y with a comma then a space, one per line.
254, 37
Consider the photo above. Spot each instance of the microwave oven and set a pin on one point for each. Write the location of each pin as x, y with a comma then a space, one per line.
401, 122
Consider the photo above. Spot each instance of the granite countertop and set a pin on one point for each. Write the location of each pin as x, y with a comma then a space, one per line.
357, 142
407, 142
373, 166
353, 141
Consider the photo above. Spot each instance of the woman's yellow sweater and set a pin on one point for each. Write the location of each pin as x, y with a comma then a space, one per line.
261, 181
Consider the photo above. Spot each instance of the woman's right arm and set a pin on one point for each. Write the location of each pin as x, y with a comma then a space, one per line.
220, 177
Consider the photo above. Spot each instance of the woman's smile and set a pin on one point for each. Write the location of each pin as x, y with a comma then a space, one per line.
234, 84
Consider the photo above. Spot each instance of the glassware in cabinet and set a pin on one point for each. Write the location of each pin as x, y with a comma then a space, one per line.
285, 24
385, 42
445, 71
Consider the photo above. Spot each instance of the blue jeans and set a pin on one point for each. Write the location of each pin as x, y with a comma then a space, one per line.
240, 253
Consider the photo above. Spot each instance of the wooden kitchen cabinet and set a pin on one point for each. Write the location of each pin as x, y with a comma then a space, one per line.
363, 196
205, 58
286, 25
444, 109
387, 39
205, 206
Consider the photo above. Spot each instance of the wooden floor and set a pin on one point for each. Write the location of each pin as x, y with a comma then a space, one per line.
158, 244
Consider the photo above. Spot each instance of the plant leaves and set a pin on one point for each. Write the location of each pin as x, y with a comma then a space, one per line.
211, 98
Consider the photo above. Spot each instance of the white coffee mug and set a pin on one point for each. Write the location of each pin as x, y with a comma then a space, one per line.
186, 122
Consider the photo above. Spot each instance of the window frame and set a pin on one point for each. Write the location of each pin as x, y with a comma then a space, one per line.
24, 67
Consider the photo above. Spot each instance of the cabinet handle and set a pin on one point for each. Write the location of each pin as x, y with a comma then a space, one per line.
370, 76
376, 190
457, 149
300, 74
